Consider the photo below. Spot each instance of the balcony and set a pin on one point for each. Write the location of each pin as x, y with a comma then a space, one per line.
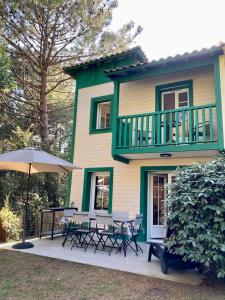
187, 129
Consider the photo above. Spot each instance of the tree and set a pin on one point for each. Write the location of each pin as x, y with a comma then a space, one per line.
197, 215
44, 35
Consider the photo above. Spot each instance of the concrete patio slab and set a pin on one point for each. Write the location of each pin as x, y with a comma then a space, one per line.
131, 263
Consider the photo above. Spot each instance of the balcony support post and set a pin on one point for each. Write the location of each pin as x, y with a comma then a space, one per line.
115, 110
219, 114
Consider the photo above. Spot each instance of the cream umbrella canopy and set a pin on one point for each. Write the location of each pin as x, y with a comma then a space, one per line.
30, 161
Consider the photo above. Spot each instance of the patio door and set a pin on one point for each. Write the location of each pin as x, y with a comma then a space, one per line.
158, 192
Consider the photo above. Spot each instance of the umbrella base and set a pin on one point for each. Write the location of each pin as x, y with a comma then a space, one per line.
23, 245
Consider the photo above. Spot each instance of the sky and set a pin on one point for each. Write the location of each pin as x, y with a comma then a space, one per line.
173, 27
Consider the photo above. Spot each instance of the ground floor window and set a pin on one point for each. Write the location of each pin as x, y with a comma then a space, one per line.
100, 191
97, 189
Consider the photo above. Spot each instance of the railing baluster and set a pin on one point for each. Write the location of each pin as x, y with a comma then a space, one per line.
190, 125
131, 133
120, 131
158, 128
183, 127
141, 132
136, 132
153, 130
171, 128
177, 127
203, 125
196, 130
125, 132
164, 128
147, 131
211, 124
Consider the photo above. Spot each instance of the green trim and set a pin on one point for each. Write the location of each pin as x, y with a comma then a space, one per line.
172, 87
170, 149
115, 110
143, 73
87, 186
218, 103
93, 114
144, 193
136, 53
121, 159
72, 144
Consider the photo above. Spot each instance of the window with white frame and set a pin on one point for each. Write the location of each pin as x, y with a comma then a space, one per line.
103, 115
100, 190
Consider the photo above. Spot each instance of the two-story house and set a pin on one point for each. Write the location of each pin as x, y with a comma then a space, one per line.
136, 121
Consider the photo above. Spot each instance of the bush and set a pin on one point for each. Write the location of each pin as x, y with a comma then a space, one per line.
196, 208
10, 223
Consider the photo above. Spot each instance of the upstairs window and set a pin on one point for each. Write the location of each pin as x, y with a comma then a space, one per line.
103, 115
100, 116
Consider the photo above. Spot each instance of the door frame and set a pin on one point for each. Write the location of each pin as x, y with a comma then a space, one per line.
144, 192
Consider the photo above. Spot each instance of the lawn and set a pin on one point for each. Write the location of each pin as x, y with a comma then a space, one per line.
24, 276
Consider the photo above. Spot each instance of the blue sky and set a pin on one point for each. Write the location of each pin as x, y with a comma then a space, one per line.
173, 26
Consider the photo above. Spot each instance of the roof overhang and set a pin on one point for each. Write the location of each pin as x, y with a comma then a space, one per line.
194, 57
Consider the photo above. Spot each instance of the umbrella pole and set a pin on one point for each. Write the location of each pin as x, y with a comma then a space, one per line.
25, 245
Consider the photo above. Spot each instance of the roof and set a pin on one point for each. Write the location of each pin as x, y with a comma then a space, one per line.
205, 52
135, 51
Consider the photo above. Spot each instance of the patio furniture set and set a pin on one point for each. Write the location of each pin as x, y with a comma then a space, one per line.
102, 231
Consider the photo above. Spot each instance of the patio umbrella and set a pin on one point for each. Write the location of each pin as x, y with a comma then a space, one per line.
29, 161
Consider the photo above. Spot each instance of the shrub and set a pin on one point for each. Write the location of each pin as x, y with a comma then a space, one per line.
196, 208
10, 223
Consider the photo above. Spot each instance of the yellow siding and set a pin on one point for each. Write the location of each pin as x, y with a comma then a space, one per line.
95, 150
139, 96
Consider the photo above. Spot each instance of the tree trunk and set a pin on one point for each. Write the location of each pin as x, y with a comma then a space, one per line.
44, 130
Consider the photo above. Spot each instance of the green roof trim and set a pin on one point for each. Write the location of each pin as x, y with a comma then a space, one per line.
135, 52
162, 62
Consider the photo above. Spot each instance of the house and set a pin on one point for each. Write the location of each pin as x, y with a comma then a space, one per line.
136, 121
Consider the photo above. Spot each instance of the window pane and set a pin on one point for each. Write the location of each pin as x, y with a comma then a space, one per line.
101, 197
169, 101
103, 115
183, 99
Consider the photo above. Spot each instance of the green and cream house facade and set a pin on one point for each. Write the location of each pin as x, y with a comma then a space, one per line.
136, 121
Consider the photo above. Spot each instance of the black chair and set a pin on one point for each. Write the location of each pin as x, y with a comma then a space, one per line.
107, 236
83, 235
169, 260
135, 230
70, 227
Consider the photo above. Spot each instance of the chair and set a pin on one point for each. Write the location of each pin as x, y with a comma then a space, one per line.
169, 260
105, 232
83, 232
136, 228
69, 226
120, 219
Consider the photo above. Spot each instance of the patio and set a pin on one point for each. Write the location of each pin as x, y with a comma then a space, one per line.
132, 263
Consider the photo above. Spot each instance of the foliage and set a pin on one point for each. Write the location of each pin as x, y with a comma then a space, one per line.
10, 223
197, 214
38, 38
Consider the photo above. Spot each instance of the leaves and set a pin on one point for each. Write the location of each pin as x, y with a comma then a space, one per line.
198, 214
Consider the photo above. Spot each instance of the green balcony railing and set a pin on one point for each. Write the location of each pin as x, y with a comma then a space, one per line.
183, 126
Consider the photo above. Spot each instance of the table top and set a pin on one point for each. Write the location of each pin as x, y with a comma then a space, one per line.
92, 217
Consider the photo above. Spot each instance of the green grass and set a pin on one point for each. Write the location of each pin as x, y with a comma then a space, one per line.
29, 277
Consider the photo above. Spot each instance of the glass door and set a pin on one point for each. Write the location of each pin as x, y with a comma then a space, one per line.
158, 192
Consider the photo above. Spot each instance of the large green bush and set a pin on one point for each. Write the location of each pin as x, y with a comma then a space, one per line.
196, 208
10, 223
